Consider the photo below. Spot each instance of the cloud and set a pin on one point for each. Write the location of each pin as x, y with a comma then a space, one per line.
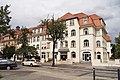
30, 12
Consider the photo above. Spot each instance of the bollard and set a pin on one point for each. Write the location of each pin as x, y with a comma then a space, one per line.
118, 74
93, 73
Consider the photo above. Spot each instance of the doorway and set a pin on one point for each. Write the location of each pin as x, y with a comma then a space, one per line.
63, 56
86, 56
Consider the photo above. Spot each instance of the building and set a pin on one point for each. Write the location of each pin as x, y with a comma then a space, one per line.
86, 40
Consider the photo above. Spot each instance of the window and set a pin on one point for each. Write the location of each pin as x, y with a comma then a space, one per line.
73, 33
66, 43
73, 44
38, 38
66, 33
85, 31
86, 43
56, 45
33, 39
48, 45
37, 46
85, 20
73, 55
43, 38
45, 29
98, 55
43, 55
98, 43
40, 30
98, 33
33, 45
34, 31
72, 22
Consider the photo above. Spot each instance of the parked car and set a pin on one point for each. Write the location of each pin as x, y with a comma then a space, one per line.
8, 64
31, 63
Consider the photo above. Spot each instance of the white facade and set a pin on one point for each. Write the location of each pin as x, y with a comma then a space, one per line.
84, 43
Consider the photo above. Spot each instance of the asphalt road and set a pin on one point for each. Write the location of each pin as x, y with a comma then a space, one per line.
60, 72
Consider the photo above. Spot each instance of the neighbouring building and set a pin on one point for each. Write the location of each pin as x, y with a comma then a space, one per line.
86, 40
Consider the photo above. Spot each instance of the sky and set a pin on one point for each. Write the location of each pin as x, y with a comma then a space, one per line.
29, 12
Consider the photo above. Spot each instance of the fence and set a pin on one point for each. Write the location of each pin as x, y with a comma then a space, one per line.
106, 74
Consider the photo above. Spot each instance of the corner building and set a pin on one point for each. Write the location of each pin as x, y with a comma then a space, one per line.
86, 40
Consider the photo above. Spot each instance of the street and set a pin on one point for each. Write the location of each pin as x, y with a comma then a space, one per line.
60, 72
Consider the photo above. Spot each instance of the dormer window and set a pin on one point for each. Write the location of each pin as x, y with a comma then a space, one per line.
85, 20
72, 22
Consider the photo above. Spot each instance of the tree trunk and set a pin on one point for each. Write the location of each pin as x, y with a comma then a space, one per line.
23, 57
53, 64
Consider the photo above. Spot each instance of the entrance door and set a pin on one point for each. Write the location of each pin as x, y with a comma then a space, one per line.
87, 56
63, 56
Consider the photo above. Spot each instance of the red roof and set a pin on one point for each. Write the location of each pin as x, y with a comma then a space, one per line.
67, 16
92, 19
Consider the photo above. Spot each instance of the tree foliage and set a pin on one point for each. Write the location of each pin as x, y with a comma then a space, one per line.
8, 51
4, 19
23, 40
56, 30
117, 47
28, 51
23, 37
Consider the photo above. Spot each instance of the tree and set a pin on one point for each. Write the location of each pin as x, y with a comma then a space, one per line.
56, 30
8, 51
113, 51
4, 20
23, 40
28, 51
117, 47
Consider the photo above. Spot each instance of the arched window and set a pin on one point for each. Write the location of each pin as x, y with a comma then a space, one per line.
98, 43
98, 55
86, 43
43, 55
73, 33
73, 44
73, 55
85, 31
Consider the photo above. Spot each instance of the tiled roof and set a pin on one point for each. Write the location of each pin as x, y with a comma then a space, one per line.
67, 16
92, 19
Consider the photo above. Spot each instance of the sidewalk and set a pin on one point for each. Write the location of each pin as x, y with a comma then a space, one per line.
72, 66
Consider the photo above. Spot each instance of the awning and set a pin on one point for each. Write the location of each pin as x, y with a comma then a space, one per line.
63, 50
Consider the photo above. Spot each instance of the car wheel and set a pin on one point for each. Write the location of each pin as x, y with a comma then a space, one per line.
31, 65
22, 64
8, 67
